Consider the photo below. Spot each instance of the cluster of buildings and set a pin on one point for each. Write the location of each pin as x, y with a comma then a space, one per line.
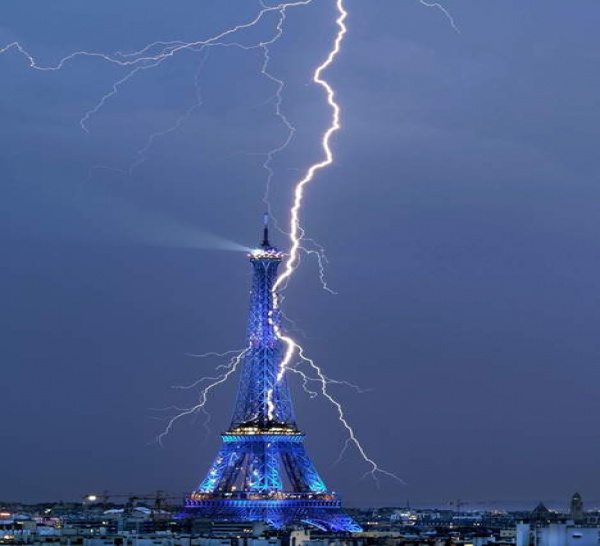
138, 524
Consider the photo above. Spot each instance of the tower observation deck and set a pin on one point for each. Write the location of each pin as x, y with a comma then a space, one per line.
262, 471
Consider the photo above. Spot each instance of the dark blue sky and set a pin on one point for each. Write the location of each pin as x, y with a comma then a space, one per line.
460, 218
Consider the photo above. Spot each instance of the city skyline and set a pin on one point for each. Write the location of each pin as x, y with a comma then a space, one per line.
459, 219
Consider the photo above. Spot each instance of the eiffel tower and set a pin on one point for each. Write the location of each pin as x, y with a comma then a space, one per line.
262, 471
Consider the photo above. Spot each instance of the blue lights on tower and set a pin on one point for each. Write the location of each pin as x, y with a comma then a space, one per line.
262, 471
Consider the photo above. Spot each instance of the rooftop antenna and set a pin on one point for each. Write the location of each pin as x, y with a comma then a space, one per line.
265, 242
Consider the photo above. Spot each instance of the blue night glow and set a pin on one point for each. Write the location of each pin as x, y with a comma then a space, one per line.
262, 471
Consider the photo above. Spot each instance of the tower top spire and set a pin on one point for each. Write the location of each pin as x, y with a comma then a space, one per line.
266, 251
265, 242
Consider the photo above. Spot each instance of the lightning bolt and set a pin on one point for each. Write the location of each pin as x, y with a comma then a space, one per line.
375, 469
141, 154
144, 59
291, 130
297, 234
322, 262
215, 354
446, 13
264, 46
200, 406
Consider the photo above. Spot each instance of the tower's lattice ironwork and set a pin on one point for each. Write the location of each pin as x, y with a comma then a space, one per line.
262, 471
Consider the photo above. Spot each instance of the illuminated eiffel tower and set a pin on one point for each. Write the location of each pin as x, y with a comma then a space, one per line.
262, 471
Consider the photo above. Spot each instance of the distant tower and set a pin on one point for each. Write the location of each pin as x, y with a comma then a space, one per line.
577, 507
262, 471
540, 514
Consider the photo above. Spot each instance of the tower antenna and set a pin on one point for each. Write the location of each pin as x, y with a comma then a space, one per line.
265, 242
